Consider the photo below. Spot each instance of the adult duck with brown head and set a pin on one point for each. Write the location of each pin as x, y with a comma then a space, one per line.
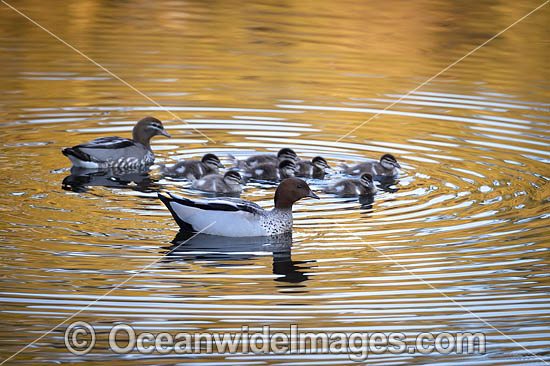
237, 217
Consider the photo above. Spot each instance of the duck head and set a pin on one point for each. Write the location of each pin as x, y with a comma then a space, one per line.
366, 181
389, 162
232, 177
287, 154
320, 163
291, 190
146, 129
212, 161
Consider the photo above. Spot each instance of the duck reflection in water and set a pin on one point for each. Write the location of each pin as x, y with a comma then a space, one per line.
387, 184
228, 251
366, 202
81, 179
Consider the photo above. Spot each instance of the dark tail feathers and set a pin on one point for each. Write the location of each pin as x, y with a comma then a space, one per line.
71, 151
184, 226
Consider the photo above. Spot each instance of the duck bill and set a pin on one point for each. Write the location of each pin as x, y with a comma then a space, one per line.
312, 195
396, 164
164, 133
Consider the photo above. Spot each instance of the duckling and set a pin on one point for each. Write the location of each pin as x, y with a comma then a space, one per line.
266, 171
230, 182
193, 169
386, 167
316, 168
353, 187
119, 152
253, 161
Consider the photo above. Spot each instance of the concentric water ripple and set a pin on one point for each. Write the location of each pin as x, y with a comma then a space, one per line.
456, 244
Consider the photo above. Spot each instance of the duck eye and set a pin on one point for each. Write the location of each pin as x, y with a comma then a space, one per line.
300, 186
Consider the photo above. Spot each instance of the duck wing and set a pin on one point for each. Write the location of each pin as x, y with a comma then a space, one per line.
304, 168
111, 142
226, 216
105, 149
218, 204
262, 159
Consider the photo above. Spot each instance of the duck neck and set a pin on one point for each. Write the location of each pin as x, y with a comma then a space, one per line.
280, 207
139, 137
282, 204
282, 214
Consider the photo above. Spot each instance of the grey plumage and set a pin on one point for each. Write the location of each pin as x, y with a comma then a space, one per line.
267, 171
316, 168
231, 182
353, 187
193, 169
253, 161
386, 167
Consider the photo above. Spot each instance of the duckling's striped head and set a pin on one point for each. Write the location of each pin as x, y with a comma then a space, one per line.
233, 177
287, 167
287, 154
388, 161
212, 161
366, 180
320, 163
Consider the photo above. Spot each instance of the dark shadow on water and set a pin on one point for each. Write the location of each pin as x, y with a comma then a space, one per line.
387, 184
228, 251
366, 201
80, 179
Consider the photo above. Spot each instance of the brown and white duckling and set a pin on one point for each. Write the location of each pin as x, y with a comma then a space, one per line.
316, 168
253, 161
353, 187
275, 172
119, 152
193, 169
230, 182
386, 167
236, 217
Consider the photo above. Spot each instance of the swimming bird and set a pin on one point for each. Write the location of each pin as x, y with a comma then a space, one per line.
119, 152
238, 217
283, 154
353, 187
316, 168
193, 169
270, 171
230, 182
386, 167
